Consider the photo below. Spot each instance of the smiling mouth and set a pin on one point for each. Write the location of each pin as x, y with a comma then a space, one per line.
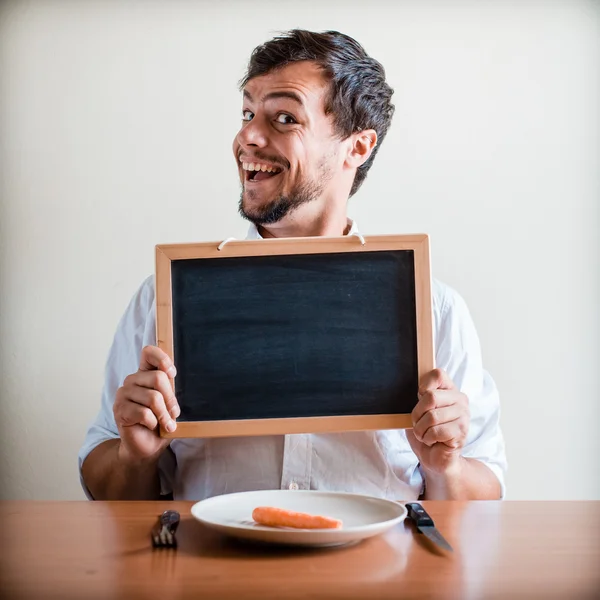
257, 172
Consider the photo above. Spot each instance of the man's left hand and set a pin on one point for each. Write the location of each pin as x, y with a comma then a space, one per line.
440, 423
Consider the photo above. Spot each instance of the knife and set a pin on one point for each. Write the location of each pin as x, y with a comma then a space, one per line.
426, 525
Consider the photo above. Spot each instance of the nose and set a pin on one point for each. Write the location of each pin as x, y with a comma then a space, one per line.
253, 134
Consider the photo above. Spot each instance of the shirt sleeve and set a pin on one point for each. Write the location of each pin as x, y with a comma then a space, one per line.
135, 330
458, 352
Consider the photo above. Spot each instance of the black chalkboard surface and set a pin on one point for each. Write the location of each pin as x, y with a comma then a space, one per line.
306, 336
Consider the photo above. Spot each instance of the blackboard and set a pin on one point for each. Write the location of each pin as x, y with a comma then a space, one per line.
307, 335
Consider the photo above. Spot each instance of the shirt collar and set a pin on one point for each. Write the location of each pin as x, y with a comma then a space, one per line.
254, 235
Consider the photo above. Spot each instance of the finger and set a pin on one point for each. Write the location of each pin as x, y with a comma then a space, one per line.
415, 444
159, 381
437, 379
153, 357
448, 433
435, 417
152, 399
431, 401
131, 414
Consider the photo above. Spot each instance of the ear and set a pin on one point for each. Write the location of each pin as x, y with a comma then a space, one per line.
362, 144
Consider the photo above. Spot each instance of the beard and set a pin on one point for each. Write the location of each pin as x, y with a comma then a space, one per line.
278, 208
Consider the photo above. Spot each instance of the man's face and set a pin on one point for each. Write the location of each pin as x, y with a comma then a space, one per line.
286, 149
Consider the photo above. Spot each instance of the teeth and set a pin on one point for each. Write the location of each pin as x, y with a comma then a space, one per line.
259, 167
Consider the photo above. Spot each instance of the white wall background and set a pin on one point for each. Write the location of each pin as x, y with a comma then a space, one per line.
116, 120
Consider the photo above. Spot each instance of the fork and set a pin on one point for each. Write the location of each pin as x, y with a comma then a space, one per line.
163, 532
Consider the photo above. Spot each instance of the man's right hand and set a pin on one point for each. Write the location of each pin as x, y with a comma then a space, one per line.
145, 400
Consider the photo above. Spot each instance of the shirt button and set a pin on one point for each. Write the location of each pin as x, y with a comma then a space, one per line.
293, 486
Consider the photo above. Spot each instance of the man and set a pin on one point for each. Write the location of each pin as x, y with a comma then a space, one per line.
315, 109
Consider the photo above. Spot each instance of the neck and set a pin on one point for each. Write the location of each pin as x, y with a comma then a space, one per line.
305, 223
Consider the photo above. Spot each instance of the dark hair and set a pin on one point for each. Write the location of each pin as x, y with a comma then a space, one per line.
359, 97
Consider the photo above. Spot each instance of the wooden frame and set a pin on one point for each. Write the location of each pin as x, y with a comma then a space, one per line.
418, 243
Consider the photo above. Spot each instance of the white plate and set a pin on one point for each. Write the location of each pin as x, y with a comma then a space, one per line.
362, 516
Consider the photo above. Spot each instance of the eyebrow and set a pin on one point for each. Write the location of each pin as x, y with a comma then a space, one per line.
275, 95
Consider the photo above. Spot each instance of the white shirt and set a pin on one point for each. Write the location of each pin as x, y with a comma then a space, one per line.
377, 463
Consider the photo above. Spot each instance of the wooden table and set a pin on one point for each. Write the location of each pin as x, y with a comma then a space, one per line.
102, 550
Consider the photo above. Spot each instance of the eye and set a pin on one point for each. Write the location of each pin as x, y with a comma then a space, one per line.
285, 119
247, 115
